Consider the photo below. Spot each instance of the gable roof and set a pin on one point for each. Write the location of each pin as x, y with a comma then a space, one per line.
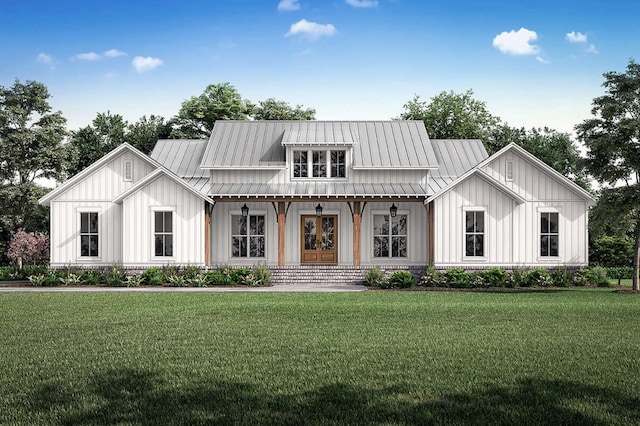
181, 156
69, 183
455, 157
541, 165
484, 176
161, 171
376, 144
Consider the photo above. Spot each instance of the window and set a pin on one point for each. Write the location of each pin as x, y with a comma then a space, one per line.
338, 164
509, 170
320, 164
474, 233
89, 234
163, 233
389, 235
300, 164
247, 236
549, 234
128, 171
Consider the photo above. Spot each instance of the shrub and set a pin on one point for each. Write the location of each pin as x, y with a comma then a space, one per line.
152, 276
216, 277
199, 280
91, 277
190, 272
70, 278
582, 277
562, 278
494, 277
176, 280
374, 277
115, 276
539, 278
8, 273
238, 275
46, 279
599, 276
31, 270
478, 280
517, 278
402, 279
457, 278
168, 272
432, 278
262, 275
133, 280
620, 273
28, 247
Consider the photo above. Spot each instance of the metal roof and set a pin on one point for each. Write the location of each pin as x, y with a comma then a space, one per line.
456, 156
316, 189
181, 156
376, 144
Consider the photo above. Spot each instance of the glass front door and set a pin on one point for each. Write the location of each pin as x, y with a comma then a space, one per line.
319, 239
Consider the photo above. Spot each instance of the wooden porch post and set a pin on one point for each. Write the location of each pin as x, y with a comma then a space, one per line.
357, 219
430, 227
207, 234
282, 218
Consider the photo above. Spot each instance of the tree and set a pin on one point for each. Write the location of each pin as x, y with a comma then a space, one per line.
612, 138
92, 142
452, 115
555, 148
198, 114
272, 109
31, 148
144, 133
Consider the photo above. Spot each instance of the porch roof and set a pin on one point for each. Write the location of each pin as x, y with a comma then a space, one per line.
317, 189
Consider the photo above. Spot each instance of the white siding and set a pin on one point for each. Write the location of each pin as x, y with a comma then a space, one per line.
188, 224
221, 232
65, 233
107, 182
248, 176
511, 230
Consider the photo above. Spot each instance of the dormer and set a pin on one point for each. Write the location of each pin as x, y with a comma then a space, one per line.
319, 152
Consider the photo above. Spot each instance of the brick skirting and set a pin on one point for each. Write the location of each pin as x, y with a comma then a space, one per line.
330, 274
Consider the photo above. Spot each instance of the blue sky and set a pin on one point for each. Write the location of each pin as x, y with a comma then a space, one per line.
535, 63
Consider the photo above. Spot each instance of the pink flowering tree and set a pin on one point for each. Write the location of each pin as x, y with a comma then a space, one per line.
28, 247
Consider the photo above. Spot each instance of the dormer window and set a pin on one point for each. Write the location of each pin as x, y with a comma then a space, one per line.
321, 164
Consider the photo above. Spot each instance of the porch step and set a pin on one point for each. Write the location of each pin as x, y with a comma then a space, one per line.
328, 274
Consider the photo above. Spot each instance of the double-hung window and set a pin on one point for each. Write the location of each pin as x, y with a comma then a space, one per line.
474, 234
89, 234
320, 164
389, 235
248, 236
163, 233
549, 234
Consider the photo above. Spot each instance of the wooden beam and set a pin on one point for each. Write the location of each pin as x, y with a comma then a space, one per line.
282, 219
357, 220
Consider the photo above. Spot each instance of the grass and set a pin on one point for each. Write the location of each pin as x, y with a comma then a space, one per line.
537, 357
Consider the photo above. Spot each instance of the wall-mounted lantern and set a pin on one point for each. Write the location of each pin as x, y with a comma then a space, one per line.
319, 210
393, 210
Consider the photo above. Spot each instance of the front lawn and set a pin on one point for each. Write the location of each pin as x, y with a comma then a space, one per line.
545, 357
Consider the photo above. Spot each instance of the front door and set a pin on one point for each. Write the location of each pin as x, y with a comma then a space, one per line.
319, 239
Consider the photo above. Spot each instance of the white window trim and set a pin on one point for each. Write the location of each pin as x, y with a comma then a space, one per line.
152, 234
372, 248
509, 164
548, 209
252, 212
126, 161
486, 256
78, 223
327, 150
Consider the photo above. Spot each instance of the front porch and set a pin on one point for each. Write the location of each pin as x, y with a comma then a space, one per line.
363, 231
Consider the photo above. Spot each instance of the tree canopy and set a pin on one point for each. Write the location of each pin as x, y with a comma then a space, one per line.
612, 137
272, 109
198, 114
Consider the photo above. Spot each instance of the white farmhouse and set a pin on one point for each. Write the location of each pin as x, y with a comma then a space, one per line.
359, 193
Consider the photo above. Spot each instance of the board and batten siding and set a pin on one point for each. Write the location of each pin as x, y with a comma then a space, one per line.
138, 221
65, 235
221, 232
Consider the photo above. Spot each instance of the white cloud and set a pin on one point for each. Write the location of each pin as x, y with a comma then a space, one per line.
91, 56
576, 37
43, 58
362, 3
311, 30
517, 42
542, 60
114, 53
591, 49
142, 64
288, 5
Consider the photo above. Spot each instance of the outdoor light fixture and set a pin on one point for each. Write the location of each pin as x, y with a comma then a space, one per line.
393, 210
318, 210
245, 210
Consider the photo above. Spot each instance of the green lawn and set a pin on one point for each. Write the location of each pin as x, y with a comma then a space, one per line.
541, 357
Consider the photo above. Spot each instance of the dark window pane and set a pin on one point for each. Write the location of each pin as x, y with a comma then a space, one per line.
257, 247
338, 164
159, 246
469, 245
399, 247
158, 221
479, 221
319, 164
469, 221
544, 245
236, 246
553, 223
168, 245
84, 223
381, 246
257, 225
300, 164
93, 223
399, 225
479, 245
553, 245
544, 223
93, 245
381, 225
168, 222
84, 245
